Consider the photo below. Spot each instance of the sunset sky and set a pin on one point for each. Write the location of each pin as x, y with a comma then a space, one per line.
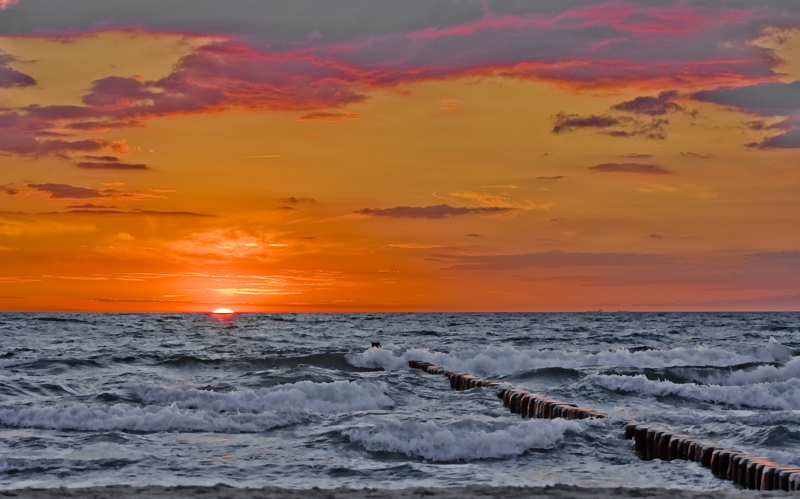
384, 155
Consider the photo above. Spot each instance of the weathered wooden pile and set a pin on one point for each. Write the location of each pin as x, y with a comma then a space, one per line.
744, 469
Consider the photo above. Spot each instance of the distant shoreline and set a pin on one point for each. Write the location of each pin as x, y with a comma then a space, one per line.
471, 492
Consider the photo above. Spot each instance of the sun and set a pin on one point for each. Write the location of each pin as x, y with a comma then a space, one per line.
223, 311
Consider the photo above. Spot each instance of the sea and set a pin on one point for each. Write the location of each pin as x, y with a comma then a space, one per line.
305, 400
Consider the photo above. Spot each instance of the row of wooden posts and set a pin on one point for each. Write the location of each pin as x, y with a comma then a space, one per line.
747, 470
651, 442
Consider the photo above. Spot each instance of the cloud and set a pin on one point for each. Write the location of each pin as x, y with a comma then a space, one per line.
65, 191
777, 259
555, 259
102, 158
88, 206
651, 106
431, 212
624, 126
688, 154
773, 99
292, 199
111, 165
321, 57
11, 191
93, 211
635, 156
563, 122
553, 177
629, 168
328, 116
10, 77
4, 4
790, 138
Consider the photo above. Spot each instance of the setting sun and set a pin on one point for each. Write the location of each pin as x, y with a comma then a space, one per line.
223, 311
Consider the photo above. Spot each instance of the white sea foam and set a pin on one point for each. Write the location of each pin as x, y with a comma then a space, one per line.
17, 464
148, 419
462, 442
507, 360
171, 410
783, 395
761, 374
335, 397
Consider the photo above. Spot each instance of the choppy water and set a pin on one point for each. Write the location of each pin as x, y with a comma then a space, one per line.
300, 400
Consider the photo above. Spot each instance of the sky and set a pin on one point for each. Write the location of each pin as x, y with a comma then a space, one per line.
376, 155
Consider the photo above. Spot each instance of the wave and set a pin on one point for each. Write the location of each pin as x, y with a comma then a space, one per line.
17, 464
507, 360
463, 441
761, 374
334, 361
125, 417
783, 395
326, 398
173, 410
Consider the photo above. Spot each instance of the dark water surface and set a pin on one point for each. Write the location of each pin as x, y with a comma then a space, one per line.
300, 400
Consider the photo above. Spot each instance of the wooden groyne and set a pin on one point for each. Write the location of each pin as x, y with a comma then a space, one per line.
522, 402
744, 469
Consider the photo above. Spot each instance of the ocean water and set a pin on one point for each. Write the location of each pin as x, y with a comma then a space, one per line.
303, 400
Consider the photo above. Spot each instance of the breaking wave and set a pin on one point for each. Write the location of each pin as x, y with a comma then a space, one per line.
463, 441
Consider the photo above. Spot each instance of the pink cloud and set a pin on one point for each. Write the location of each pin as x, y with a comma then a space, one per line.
672, 20
601, 46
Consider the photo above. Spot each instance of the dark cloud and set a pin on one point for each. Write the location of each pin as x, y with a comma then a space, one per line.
651, 106
437, 211
635, 156
474, 235
10, 77
653, 236
554, 177
87, 206
778, 259
293, 199
687, 154
286, 207
327, 116
65, 191
137, 212
553, 259
563, 122
629, 168
775, 99
95, 165
102, 158
142, 300
100, 126
623, 126
11, 191
789, 140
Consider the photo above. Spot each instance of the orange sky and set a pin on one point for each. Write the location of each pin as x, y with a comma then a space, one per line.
461, 163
